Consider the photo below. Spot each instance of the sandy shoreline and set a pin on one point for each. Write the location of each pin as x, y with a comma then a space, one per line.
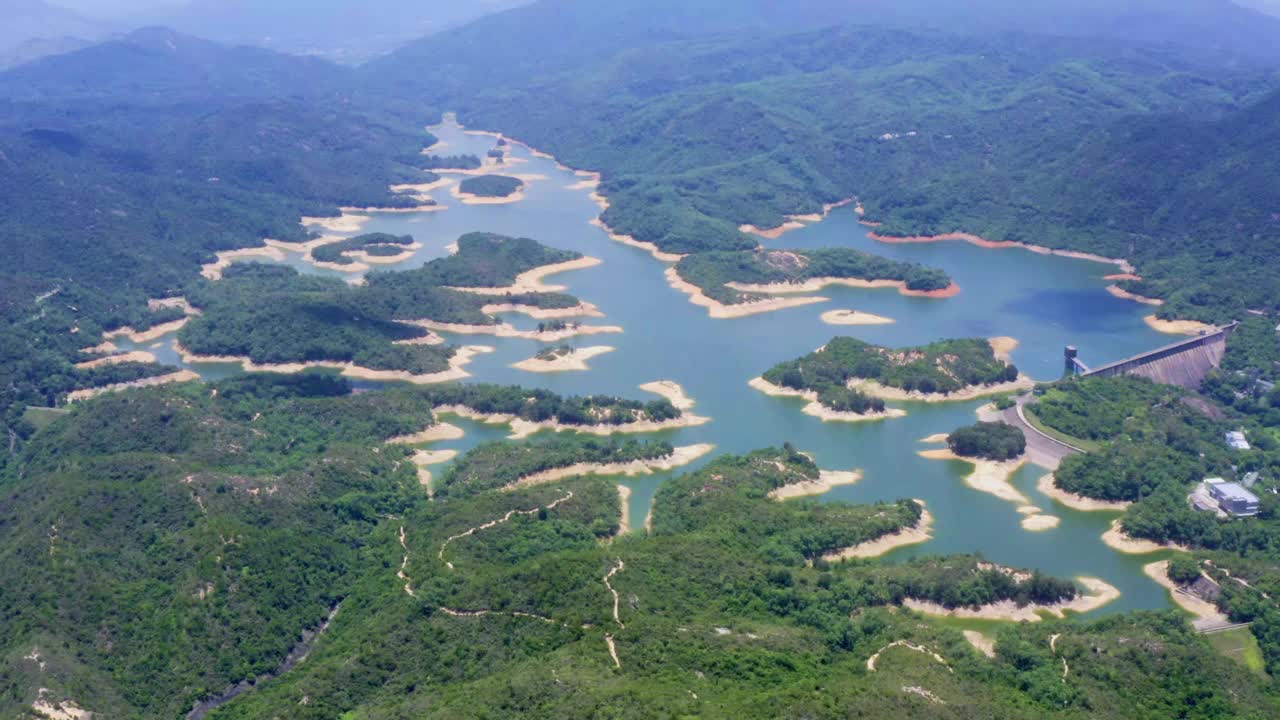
1207, 614
146, 336
827, 479
796, 222
530, 281
884, 392
921, 532
214, 270
1124, 265
1116, 539
672, 391
436, 433
854, 317
679, 458
460, 359
574, 360
1177, 327
624, 502
584, 309
1117, 291
1100, 593
988, 476
720, 311
88, 393
505, 330
1047, 487
521, 428
137, 356
817, 409
648, 247
1003, 347
817, 284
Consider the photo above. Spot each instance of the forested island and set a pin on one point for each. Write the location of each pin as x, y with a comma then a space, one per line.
378, 245
851, 375
491, 186
996, 441
732, 278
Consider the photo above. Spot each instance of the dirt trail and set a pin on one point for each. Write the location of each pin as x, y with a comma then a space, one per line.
616, 599
871, 661
408, 585
495, 523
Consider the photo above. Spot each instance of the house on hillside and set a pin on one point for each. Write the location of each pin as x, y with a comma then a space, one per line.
1237, 440
1233, 498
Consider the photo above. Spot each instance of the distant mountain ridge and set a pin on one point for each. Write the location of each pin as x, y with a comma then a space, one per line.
33, 28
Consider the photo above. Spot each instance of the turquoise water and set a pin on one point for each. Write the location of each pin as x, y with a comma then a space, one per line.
1045, 302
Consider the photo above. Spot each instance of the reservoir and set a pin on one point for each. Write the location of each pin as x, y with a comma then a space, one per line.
1045, 302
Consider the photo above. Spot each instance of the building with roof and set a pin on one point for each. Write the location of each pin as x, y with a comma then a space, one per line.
1233, 498
1237, 440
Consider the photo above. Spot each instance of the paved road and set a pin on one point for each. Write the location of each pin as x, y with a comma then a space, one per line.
1041, 449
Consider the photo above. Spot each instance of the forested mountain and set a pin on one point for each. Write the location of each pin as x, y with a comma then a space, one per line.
25, 21
972, 129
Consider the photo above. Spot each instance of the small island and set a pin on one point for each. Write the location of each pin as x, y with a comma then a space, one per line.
450, 162
737, 283
852, 377
996, 441
490, 189
353, 253
562, 358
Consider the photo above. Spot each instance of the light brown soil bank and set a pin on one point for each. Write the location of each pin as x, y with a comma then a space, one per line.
1003, 348
720, 311
624, 501
521, 428
574, 360
504, 330
1040, 523
981, 643
827, 479
1100, 593
795, 222
672, 391
817, 409
648, 247
584, 309
530, 281
1124, 265
854, 317
137, 356
146, 336
1116, 539
884, 392
1177, 327
681, 457
419, 189
177, 377
988, 476
213, 271
1117, 291
1207, 614
460, 359
436, 433
1047, 487
921, 532
345, 223
817, 284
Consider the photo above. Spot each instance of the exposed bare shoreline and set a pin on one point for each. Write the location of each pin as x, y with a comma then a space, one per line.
672, 391
827, 479
921, 532
854, 317
1177, 327
460, 359
1048, 487
574, 360
818, 284
1100, 593
1116, 539
505, 330
817, 409
1125, 266
884, 392
530, 281
680, 457
521, 428
177, 377
1207, 614
720, 311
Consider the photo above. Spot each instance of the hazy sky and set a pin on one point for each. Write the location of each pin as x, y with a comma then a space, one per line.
115, 8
